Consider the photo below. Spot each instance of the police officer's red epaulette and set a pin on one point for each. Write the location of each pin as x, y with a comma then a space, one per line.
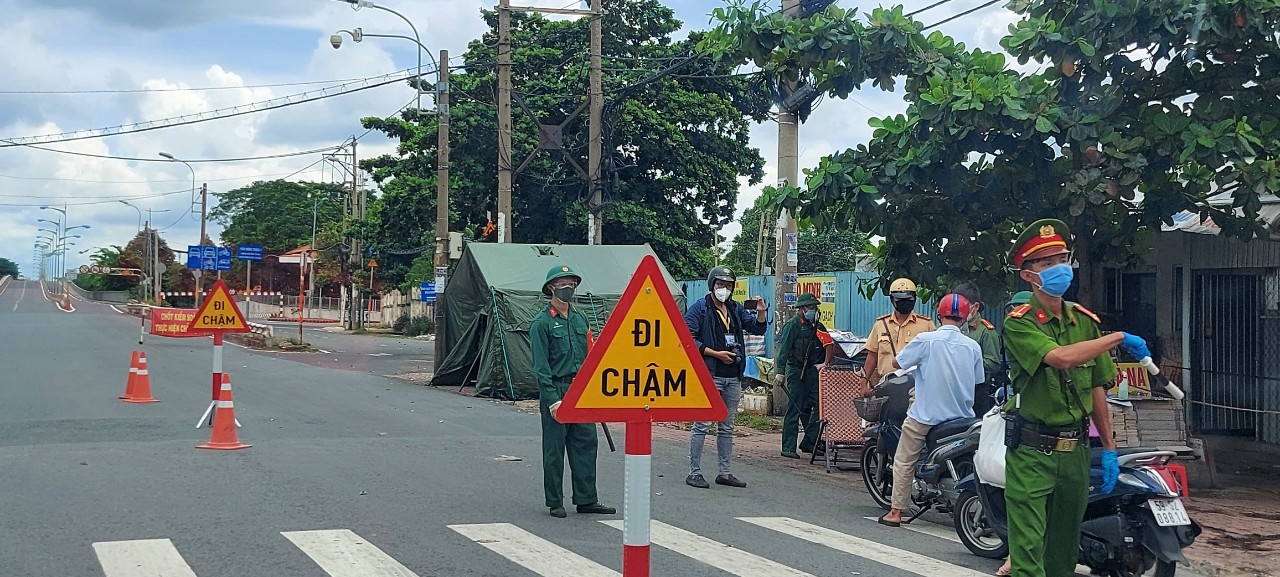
1088, 313
987, 323
1019, 312
922, 317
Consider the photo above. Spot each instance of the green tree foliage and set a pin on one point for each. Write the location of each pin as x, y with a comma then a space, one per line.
820, 249
276, 214
675, 145
134, 255
8, 267
1141, 109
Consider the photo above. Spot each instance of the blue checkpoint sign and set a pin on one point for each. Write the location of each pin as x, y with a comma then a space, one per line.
249, 252
427, 292
209, 258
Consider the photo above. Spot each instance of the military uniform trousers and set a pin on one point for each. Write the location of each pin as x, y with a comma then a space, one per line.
579, 439
1045, 496
802, 409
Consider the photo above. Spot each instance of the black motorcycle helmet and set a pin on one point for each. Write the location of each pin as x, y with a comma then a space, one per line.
722, 273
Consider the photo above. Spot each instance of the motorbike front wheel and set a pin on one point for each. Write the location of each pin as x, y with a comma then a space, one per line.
975, 531
879, 484
1159, 568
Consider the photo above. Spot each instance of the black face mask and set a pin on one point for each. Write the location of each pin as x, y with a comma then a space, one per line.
904, 306
564, 294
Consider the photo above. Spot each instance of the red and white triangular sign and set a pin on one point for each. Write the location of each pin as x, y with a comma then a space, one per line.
644, 366
218, 313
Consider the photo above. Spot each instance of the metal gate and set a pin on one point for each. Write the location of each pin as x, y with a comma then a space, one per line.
1225, 352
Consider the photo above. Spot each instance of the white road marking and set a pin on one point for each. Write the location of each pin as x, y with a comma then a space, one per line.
342, 553
21, 296
141, 558
532, 552
322, 351
926, 528
867, 549
714, 553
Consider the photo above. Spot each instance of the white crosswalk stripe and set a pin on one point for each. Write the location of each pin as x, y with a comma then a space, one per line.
342, 553
533, 552
880, 553
927, 528
714, 553
141, 558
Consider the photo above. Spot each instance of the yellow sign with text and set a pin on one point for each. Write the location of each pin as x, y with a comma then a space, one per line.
219, 313
645, 367
823, 287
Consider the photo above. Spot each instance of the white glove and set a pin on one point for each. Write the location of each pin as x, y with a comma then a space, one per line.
553, 408
819, 366
779, 379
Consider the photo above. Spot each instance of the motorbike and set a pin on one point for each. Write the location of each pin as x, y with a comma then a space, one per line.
1140, 528
946, 458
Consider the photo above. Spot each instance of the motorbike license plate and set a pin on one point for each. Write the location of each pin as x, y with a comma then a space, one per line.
1169, 512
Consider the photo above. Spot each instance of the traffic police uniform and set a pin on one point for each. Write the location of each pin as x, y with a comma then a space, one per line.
1047, 475
559, 345
803, 345
887, 337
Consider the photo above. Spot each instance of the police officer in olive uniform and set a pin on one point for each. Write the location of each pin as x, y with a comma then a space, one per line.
982, 331
801, 350
891, 332
558, 337
1060, 366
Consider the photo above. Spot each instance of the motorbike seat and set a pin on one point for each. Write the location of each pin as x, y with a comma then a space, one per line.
1095, 457
948, 428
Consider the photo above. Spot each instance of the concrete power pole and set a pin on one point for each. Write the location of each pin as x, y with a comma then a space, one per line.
785, 260
504, 121
204, 221
595, 224
442, 197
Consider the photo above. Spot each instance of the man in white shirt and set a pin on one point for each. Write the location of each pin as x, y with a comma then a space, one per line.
948, 366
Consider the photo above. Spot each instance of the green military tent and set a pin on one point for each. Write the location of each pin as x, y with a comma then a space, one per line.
494, 293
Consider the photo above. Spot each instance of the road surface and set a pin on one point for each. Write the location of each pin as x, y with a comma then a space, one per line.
353, 474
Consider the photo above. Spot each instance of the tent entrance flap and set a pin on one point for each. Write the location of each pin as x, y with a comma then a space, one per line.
458, 366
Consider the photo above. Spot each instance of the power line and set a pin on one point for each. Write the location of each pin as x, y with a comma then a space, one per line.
46, 178
189, 89
196, 118
113, 200
962, 14
193, 161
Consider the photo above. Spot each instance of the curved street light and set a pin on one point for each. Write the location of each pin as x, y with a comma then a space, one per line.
336, 39
140, 210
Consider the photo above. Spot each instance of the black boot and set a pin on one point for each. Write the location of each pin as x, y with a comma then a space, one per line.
596, 508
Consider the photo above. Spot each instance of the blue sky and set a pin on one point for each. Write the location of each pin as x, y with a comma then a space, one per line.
235, 46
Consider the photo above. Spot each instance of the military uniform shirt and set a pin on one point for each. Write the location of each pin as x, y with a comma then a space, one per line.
559, 347
985, 334
1030, 332
887, 343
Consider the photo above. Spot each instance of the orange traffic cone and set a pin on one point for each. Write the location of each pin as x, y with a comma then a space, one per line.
224, 436
141, 384
131, 382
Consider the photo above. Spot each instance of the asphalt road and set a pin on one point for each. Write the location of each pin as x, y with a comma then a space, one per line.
379, 354
352, 474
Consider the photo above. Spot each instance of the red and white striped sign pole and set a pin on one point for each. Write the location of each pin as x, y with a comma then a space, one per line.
637, 473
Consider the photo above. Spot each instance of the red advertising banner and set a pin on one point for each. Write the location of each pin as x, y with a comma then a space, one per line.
172, 322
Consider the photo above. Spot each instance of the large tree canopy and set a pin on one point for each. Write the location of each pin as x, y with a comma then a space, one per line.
277, 214
675, 145
1141, 109
8, 268
820, 250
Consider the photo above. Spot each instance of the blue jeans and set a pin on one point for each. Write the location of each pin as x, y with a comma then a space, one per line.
731, 392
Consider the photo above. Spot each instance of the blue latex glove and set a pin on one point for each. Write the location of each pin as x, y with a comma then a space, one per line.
1135, 346
1110, 470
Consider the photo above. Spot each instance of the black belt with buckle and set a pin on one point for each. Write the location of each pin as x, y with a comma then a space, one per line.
1049, 439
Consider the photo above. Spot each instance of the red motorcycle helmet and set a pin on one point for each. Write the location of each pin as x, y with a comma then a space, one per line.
953, 306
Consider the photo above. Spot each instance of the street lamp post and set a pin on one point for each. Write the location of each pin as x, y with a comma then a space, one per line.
336, 40
61, 223
137, 209
203, 219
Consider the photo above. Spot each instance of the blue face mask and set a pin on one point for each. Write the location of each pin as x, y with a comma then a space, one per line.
1056, 279
810, 315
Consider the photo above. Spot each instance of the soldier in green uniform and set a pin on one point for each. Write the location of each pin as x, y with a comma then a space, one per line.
800, 352
1061, 367
558, 337
982, 331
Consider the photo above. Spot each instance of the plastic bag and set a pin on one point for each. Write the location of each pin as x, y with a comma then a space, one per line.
988, 461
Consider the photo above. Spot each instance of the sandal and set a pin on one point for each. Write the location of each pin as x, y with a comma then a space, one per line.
1004, 571
888, 523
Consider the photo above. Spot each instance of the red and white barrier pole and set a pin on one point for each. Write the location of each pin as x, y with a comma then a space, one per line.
637, 473
217, 380
142, 326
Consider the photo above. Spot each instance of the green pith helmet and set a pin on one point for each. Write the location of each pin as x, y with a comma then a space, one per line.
1019, 298
807, 300
556, 272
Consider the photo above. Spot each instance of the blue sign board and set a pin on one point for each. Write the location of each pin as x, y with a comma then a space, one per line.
224, 258
208, 258
427, 292
249, 252
195, 257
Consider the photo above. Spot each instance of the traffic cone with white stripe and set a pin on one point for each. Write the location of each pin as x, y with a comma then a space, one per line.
141, 383
224, 436
131, 382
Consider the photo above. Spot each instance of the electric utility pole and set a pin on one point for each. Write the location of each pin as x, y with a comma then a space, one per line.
442, 198
785, 259
504, 121
594, 221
